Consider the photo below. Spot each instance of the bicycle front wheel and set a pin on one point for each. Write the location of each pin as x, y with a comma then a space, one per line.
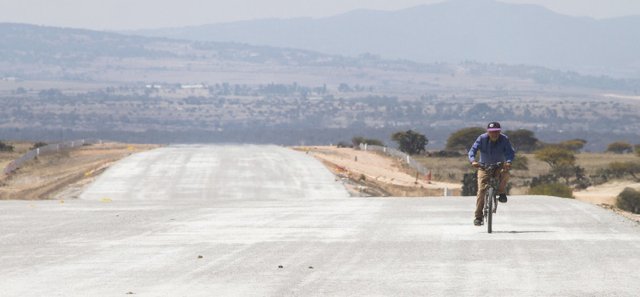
489, 201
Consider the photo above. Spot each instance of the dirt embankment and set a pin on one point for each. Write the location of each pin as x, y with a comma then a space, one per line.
374, 174
605, 195
47, 176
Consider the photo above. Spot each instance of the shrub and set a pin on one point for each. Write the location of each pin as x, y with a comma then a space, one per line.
620, 169
554, 189
38, 144
520, 163
601, 176
343, 144
582, 181
629, 200
620, 147
470, 184
567, 172
446, 154
5, 147
361, 140
544, 179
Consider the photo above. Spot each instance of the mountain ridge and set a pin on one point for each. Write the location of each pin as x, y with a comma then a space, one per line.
78, 51
486, 31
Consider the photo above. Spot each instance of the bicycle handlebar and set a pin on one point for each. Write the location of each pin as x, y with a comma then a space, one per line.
491, 166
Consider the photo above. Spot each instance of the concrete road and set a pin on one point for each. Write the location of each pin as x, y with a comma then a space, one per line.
267, 221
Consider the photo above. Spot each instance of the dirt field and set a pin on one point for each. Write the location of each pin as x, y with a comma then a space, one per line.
48, 176
378, 174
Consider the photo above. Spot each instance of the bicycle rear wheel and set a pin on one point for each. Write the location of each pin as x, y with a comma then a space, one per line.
489, 200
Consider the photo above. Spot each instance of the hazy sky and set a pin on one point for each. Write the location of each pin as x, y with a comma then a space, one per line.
138, 14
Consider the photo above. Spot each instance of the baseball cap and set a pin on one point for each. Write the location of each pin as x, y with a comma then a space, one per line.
494, 126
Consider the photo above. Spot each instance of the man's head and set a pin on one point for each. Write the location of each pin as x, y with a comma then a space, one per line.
493, 129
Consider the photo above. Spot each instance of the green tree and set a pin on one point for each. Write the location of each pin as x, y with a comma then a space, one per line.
574, 144
463, 139
619, 147
556, 156
637, 148
523, 140
410, 142
620, 169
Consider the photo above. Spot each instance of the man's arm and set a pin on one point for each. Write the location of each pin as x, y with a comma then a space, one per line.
509, 152
474, 149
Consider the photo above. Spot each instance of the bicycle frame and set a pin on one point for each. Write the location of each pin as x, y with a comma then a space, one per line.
491, 193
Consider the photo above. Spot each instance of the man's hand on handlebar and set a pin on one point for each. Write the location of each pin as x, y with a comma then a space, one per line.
505, 166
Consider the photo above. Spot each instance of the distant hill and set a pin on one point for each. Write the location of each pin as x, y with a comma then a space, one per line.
25, 43
39, 52
82, 83
30, 51
485, 31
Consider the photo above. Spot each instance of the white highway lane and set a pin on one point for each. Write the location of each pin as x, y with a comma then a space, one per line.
269, 221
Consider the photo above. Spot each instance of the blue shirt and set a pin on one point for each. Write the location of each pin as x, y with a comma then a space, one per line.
492, 152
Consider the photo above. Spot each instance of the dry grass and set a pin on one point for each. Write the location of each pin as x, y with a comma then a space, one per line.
453, 169
446, 169
44, 177
594, 161
19, 149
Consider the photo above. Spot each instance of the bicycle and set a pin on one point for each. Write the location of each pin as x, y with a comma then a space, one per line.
491, 193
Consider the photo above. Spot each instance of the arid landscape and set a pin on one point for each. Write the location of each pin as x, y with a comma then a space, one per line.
60, 175
155, 90
319, 148
64, 175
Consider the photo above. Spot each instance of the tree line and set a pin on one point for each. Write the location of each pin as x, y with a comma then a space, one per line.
563, 176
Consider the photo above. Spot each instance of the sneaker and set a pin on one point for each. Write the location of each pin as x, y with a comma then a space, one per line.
477, 222
503, 198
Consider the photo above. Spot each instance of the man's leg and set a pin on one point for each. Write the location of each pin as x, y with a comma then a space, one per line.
483, 179
502, 188
504, 179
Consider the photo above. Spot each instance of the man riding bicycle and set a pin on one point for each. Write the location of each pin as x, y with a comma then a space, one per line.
494, 147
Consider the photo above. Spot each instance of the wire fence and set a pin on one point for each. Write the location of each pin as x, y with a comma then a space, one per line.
397, 154
46, 150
